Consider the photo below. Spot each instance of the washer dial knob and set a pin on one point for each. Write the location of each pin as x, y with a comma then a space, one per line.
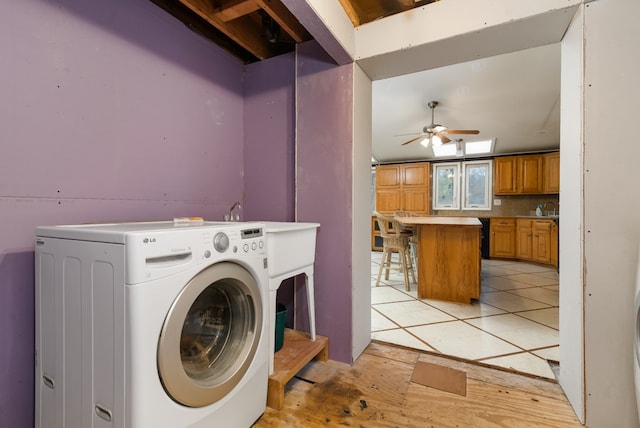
221, 242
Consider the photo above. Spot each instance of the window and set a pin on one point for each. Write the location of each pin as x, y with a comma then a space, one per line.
446, 195
477, 185
474, 177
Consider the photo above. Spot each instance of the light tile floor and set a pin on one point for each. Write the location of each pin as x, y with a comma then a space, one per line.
514, 324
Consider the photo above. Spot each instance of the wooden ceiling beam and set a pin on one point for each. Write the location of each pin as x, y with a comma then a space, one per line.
285, 19
242, 31
235, 9
348, 6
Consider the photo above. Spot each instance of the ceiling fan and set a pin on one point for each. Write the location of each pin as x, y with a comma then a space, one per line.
438, 131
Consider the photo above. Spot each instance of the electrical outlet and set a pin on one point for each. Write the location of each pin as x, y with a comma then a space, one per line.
497, 202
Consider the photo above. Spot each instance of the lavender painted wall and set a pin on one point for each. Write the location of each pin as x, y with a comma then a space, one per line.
323, 187
109, 111
269, 125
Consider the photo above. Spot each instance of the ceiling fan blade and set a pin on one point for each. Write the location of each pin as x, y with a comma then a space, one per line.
410, 133
444, 139
419, 137
460, 131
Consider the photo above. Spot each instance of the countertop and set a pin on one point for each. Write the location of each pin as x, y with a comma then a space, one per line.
439, 220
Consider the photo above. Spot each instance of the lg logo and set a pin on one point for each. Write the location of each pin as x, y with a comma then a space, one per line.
149, 240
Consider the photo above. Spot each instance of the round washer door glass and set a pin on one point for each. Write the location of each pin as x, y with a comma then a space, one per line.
210, 335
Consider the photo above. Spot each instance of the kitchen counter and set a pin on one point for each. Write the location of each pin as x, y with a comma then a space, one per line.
439, 220
448, 257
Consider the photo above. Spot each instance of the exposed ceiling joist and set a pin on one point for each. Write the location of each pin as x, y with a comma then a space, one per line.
235, 9
260, 29
240, 30
285, 19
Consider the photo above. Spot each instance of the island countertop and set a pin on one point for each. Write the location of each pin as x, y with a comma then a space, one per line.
439, 220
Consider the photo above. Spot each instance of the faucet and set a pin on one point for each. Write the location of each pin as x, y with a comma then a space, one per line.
553, 204
231, 216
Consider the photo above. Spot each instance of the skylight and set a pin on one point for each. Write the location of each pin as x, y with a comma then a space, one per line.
445, 150
467, 148
479, 147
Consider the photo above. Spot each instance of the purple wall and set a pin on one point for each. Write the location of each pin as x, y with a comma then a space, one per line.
269, 125
115, 111
323, 187
109, 111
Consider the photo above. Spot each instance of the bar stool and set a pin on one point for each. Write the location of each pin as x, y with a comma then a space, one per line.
394, 241
413, 238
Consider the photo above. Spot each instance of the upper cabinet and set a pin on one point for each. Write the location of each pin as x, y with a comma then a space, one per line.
403, 188
551, 181
504, 175
530, 174
526, 174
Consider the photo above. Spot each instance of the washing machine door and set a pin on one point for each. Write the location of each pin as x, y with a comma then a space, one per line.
210, 335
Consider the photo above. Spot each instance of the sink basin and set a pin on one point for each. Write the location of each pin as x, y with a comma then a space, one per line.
290, 246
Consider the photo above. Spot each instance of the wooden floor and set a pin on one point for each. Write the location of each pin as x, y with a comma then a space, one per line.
377, 392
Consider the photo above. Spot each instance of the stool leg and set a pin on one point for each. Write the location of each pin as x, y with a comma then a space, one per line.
384, 256
405, 271
387, 264
411, 265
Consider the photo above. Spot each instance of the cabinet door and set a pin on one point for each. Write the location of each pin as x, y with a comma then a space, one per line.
415, 200
415, 174
551, 168
554, 244
387, 175
530, 174
541, 241
503, 238
523, 239
504, 175
388, 201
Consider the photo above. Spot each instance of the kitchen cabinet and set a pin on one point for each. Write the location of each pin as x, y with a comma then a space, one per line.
537, 241
530, 174
551, 168
403, 187
523, 239
544, 242
502, 243
504, 175
518, 175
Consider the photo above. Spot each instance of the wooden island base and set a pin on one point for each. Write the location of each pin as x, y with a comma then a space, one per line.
297, 351
448, 257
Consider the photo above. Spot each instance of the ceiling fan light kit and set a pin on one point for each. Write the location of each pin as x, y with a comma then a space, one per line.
434, 133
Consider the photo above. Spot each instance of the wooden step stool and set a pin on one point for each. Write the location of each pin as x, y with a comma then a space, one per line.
297, 351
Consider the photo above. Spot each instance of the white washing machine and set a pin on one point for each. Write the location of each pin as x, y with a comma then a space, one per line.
147, 325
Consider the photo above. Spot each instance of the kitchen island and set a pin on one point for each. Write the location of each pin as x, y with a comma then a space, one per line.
448, 257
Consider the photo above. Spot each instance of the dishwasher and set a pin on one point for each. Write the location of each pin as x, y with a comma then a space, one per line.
485, 237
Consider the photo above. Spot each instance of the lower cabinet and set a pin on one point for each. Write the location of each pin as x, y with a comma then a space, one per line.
502, 243
524, 241
537, 241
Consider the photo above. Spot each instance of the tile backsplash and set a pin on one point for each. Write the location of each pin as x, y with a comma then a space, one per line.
512, 205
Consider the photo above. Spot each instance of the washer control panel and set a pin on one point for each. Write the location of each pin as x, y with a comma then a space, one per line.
237, 240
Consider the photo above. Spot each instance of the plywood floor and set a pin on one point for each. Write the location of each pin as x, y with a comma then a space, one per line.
377, 392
